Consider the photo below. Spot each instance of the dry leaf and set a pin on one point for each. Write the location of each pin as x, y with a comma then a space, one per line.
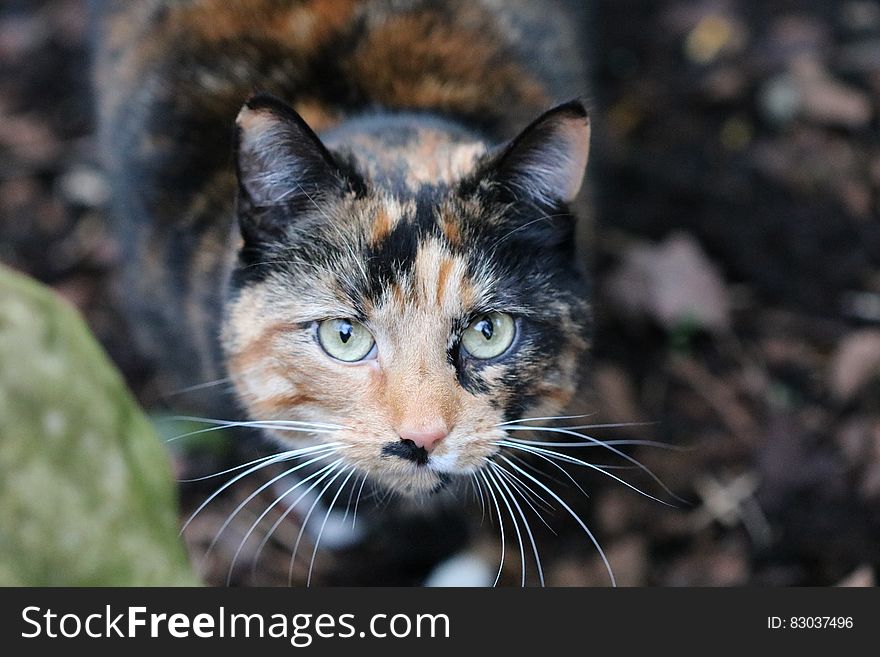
672, 282
856, 362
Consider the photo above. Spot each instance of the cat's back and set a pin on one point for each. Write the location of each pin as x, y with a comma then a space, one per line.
493, 63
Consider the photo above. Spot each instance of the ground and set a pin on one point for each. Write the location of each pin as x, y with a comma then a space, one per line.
736, 176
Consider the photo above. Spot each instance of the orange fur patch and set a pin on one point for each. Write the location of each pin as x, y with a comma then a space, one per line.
304, 25
382, 225
449, 226
418, 60
443, 278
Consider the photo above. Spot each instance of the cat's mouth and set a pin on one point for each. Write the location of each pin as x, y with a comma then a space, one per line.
420, 481
414, 471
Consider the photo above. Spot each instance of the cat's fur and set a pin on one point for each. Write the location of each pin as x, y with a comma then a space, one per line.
418, 208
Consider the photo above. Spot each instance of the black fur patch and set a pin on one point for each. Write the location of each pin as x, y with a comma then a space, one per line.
408, 450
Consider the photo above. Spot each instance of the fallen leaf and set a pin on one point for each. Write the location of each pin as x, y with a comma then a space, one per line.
855, 363
863, 576
673, 282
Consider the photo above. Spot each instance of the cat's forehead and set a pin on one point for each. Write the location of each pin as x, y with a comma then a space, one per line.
438, 285
417, 263
415, 153
400, 263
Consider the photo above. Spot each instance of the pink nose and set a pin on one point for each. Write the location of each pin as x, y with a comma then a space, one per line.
425, 436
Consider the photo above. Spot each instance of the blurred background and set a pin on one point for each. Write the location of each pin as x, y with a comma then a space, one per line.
736, 177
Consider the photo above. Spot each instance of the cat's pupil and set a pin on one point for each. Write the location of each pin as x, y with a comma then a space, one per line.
345, 331
486, 328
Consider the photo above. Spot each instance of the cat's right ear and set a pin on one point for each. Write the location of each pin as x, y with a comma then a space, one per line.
282, 167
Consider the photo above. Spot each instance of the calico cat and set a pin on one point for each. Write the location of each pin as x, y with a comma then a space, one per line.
361, 213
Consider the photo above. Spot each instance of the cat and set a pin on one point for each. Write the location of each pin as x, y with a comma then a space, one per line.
362, 214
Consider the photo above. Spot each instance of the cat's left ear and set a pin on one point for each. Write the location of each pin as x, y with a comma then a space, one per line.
545, 163
283, 168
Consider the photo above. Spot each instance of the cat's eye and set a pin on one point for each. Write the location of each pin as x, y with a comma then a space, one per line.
345, 339
489, 335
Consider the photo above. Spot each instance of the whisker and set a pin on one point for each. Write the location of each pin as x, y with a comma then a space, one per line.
507, 443
384, 497
526, 492
601, 443
227, 471
522, 553
538, 499
570, 459
613, 449
274, 459
571, 513
350, 498
199, 386
546, 417
357, 501
257, 425
478, 494
259, 490
324, 524
538, 471
209, 384
292, 454
525, 521
306, 522
247, 423
265, 512
322, 474
522, 227
500, 525
606, 425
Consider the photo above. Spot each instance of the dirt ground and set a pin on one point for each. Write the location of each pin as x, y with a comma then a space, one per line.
736, 175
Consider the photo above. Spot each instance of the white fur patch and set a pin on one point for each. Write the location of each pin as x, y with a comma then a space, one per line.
445, 462
463, 569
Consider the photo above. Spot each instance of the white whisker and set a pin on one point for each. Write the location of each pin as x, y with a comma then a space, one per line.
257, 425
291, 455
537, 451
324, 524
306, 522
611, 448
500, 525
277, 458
510, 442
330, 451
350, 499
478, 491
541, 473
227, 471
199, 386
571, 513
546, 417
498, 469
522, 552
248, 423
357, 501
321, 475
525, 492
601, 443
265, 512
607, 425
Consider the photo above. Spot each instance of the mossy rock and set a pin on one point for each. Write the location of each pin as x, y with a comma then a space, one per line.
86, 493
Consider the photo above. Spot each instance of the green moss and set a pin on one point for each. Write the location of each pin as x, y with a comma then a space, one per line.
86, 494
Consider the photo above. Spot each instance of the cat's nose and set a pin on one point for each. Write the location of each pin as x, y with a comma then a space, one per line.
424, 436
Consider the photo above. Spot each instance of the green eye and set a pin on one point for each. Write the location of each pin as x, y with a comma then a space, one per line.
489, 335
345, 339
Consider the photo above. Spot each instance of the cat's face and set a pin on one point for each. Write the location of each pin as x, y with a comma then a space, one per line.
411, 306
